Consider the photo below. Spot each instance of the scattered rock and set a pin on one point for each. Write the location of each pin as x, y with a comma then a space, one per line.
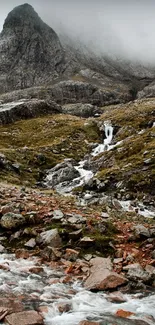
57, 215
136, 272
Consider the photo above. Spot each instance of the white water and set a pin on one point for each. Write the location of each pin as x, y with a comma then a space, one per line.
9, 106
19, 280
139, 208
108, 128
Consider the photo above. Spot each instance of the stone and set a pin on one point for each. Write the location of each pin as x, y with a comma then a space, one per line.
63, 172
136, 272
86, 241
31, 243
86, 322
2, 249
101, 275
104, 215
141, 231
12, 304
57, 215
71, 254
116, 297
50, 237
75, 235
12, 220
3, 312
25, 318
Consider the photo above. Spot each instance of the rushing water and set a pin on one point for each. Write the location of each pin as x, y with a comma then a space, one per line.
42, 290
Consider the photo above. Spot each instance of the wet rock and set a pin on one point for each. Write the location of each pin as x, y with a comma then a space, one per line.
64, 307
36, 269
50, 237
12, 220
141, 231
31, 243
25, 318
153, 254
116, 297
101, 275
12, 304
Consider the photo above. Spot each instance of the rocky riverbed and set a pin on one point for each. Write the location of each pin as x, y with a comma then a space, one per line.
55, 254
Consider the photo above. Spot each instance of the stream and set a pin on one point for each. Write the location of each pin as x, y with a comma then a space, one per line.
47, 290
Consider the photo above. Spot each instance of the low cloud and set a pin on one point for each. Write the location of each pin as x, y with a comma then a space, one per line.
115, 27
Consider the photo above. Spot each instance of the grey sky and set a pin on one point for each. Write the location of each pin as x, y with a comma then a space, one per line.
117, 26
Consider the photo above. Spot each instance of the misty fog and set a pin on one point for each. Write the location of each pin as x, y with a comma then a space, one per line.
117, 27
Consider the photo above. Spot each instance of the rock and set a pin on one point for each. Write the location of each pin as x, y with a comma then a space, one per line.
136, 272
82, 110
50, 237
14, 111
141, 231
76, 218
12, 220
2, 249
36, 269
104, 215
63, 172
88, 257
57, 215
86, 322
153, 254
71, 254
101, 275
75, 235
64, 307
3, 312
51, 254
86, 242
12, 304
25, 63
116, 297
25, 318
31, 243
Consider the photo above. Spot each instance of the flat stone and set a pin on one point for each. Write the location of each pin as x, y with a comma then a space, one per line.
12, 304
142, 231
24, 318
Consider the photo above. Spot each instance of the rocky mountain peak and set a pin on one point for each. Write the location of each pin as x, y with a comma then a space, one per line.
30, 51
20, 17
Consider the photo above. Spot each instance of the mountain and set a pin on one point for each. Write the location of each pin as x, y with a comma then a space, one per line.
32, 54
30, 51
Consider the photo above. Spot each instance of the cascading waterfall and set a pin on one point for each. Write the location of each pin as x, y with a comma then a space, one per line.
108, 129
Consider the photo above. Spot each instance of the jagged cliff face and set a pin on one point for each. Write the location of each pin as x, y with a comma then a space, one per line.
30, 51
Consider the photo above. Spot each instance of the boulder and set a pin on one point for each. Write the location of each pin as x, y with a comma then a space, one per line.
50, 237
25, 318
13, 111
141, 231
12, 220
101, 275
82, 110
63, 172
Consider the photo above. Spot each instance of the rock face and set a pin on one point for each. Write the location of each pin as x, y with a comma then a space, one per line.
30, 51
102, 277
14, 111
